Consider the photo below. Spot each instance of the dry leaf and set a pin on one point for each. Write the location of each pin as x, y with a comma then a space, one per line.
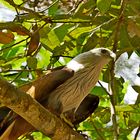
34, 42
6, 37
133, 29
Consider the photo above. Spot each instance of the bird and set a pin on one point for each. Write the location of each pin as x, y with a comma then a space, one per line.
13, 126
70, 98
87, 67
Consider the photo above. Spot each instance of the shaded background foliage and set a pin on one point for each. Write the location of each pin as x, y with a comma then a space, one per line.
47, 34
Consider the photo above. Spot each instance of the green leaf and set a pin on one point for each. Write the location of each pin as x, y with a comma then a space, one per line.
44, 31
124, 38
62, 30
130, 108
137, 88
43, 58
138, 52
18, 2
106, 76
13, 52
39, 136
6, 4
105, 115
80, 30
91, 43
54, 8
86, 125
135, 117
50, 39
82, 38
103, 5
83, 8
32, 62
6, 67
124, 108
98, 91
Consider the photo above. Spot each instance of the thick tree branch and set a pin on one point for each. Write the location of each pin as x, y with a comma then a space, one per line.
43, 120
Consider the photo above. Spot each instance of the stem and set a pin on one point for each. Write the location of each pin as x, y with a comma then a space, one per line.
113, 95
137, 132
50, 6
113, 103
104, 88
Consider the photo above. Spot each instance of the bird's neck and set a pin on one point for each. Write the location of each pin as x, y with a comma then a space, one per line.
74, 65
89, 75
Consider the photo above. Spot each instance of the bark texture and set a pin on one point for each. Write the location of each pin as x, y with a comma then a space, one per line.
34, 113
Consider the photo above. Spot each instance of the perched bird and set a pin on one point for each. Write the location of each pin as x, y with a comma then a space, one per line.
87, 67
67, 97
13, 126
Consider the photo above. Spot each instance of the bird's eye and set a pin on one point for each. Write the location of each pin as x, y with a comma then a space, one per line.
103, 51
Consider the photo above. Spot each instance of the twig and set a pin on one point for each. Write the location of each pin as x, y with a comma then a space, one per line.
62, 56
75, 7
50, 6
19, 74
39, 28
104, 88
127, 50
120, 20
71, 21
15, 44
20, 70
105, 23
22, 8
137, 132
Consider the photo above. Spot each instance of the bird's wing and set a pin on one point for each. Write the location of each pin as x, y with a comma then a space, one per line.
43, 86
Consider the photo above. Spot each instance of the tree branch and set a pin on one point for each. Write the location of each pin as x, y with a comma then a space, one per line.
40, 118
114, 94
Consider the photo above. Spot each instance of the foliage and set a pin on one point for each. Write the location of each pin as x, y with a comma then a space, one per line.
46, 34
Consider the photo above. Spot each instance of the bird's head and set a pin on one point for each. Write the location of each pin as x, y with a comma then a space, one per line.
91, 58
103, 54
